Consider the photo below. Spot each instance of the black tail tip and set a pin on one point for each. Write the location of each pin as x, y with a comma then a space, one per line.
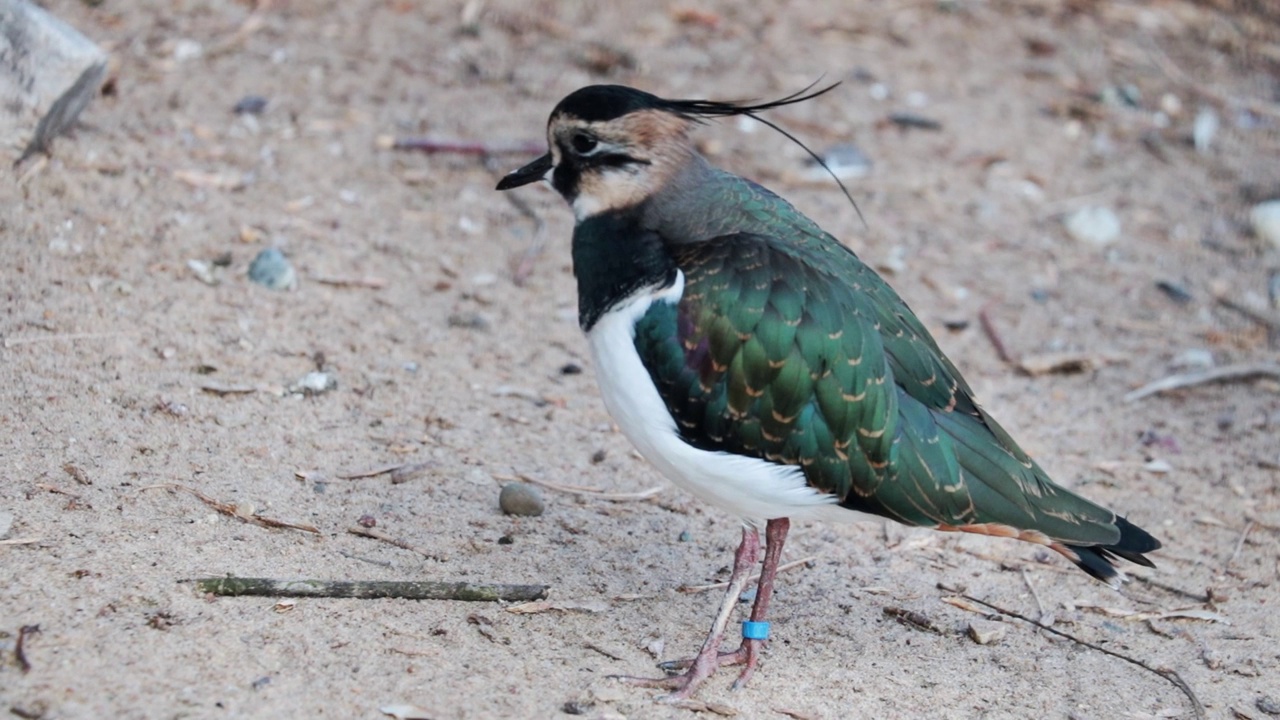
1099, 560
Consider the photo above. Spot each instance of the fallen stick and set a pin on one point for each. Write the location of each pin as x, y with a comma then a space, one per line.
688, 589
432, 146
989, 329
402, 544
1225, 373
1166, 673
236, 511
587, 491
370, 589
1270, 323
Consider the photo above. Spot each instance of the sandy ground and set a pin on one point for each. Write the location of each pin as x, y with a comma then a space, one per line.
113, 350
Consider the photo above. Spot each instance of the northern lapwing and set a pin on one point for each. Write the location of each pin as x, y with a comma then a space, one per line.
757, 363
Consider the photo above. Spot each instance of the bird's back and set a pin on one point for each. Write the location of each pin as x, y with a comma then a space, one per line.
787, 347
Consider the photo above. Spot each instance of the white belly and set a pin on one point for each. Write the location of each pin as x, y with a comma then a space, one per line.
752, 489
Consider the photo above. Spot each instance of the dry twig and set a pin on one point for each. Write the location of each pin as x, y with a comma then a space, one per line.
579, 490
1270, 323
15, 341
721, 585
403, 545
1166, 673
235, 511
989, 329
432, 146
1226, 373
1235, 553
369, 589
373, 283
19, 649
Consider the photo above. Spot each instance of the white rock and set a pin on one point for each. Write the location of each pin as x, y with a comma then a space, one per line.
1204, 129
1265, 219
1192, 359
986, 632
1093, 224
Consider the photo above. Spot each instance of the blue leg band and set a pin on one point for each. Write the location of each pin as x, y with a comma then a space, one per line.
755, 630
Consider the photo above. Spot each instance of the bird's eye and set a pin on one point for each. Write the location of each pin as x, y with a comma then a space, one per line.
583, 143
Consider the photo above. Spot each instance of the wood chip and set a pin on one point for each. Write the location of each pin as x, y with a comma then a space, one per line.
541, 606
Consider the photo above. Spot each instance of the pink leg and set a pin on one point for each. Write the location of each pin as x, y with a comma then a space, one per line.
775, 535
709, 657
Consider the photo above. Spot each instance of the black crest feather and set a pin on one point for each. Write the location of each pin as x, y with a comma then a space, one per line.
598, 103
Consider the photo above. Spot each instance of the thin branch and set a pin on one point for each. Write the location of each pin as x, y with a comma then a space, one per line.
1166, 673
1026, 578
432, 146
589, 492
689, 589
1198, 597
19, 646
14, 341
989, 329
1270, 323
235, 511
1248, 528
403, 545
1226, 373
369, 589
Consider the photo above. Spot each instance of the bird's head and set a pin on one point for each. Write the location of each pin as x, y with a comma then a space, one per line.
611, 146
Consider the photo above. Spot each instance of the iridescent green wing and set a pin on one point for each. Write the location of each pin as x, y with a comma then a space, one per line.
801, 355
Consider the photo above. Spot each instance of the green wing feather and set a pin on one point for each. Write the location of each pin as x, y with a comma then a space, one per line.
785, 346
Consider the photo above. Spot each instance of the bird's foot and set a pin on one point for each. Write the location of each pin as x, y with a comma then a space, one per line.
697, 669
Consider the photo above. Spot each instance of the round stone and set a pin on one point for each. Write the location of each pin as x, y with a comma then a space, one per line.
521, 499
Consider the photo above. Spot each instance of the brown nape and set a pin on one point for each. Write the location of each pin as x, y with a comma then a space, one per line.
653, 129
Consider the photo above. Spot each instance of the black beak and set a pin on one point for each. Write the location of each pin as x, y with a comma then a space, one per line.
532, 172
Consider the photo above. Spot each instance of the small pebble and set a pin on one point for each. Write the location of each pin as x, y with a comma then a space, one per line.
571, 369
6, 524
469, 320
185, 49
986, 632
250, 105
1268, 705
1265, 219
506, 540
367, 521
1093, 224
273, 270
845, 161
686, 536
1204, 129
521, 500
914, 121
599, 456
1192, 359
895, 261
1174, 291
203, 271
314, 383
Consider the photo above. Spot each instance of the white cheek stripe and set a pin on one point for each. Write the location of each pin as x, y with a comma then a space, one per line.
751, 489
